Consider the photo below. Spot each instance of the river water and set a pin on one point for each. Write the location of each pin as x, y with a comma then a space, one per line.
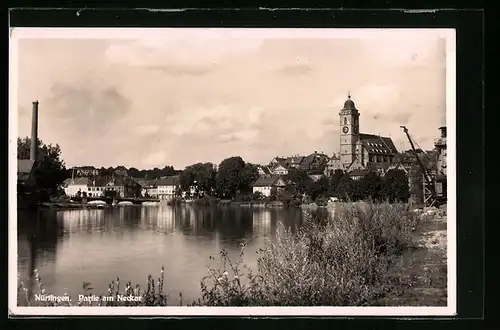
71, 246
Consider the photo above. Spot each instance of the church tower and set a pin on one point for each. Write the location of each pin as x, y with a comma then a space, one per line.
349, 132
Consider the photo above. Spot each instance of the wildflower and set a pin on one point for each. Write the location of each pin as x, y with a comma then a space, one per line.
225, 273
220, 279
236, 277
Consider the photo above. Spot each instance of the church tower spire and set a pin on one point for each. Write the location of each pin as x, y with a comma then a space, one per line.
349, 131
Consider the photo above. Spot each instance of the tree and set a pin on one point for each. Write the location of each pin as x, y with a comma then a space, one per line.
370, 186
273, 196
346, 187
228, 176
50, 169
133, 172
257, 196
248, 175
318, 189
299, 180
200, 176
395, 186
334, 182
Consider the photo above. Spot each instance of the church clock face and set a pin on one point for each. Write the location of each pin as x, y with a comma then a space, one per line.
345, 129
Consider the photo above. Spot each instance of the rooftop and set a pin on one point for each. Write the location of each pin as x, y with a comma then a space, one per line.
378, 144
168, 181
266, 180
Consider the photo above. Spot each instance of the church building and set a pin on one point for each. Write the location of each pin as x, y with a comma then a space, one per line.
359, 150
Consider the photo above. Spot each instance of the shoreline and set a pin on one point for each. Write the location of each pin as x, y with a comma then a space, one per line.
258, 205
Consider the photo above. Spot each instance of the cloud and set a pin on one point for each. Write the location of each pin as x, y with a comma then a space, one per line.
146, 130
182, 70
92, 107
294, 70
183, 52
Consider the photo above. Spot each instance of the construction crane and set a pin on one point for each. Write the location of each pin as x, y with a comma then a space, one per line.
430, 197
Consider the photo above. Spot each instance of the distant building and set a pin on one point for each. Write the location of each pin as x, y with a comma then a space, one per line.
124, 186
150, 188
315, 162
74, 185
357, 150
265, 183
97, 187
142, 182
358, 174
85, 171
332, 165
279, 169
277, 160
167, 187
263, 170
294, 161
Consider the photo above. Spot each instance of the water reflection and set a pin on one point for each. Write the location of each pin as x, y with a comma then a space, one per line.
72, 246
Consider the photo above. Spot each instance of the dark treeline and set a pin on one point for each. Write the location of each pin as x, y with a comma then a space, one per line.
392, 187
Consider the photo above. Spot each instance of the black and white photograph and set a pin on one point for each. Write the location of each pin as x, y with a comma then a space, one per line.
280, 171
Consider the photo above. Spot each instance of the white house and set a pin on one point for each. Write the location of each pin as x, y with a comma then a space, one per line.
280, 170
150, 188
167, 186
73, 186
265, 183
97, 187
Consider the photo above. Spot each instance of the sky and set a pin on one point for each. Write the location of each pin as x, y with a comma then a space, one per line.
171, 98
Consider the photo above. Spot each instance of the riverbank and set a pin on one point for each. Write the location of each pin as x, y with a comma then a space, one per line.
425, 265
71, 206
404, 263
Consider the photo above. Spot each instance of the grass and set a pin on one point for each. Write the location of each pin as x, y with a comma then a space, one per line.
366, 255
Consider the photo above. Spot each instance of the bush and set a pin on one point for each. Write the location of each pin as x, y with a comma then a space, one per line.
258, 196
206, 201
321, 201
295, 203
345, 262
243, 198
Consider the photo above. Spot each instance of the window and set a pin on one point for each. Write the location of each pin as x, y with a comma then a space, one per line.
345, 120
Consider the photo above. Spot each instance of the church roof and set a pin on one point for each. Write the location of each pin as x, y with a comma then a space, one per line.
378, 144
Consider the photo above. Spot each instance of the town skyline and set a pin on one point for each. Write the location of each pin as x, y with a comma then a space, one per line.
208, 99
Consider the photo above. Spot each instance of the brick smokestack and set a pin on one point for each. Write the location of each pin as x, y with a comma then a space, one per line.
34, 132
